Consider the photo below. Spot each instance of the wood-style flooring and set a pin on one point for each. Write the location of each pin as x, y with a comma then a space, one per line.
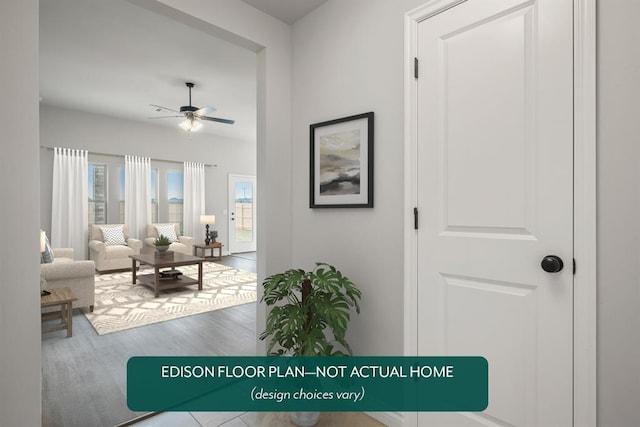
84, 377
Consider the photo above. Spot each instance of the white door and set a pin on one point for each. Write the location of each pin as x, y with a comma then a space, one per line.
495, 196
242, 213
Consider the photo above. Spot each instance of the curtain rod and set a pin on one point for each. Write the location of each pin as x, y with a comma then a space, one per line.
122, 156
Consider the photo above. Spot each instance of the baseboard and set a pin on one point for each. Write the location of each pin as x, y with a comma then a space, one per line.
390, 419
138, 419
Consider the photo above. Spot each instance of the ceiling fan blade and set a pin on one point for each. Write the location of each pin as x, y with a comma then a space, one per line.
217, 119
164, 117
204, 111
160, 107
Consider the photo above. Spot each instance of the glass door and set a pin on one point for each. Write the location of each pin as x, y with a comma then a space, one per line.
242, 213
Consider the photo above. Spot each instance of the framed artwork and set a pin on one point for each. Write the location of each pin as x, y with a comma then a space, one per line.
341, 168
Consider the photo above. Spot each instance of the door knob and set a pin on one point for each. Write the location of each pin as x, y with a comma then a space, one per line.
552, 264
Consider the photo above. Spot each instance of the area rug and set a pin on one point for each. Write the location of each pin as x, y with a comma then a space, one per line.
121, 305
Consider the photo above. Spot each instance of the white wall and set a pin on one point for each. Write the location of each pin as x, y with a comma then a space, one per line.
618, 213
61, 127
20, 381
348, 59
240, 23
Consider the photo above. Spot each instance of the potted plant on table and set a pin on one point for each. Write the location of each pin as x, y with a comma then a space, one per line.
162, 243
305, 307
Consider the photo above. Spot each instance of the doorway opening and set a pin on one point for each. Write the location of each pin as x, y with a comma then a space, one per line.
242, 214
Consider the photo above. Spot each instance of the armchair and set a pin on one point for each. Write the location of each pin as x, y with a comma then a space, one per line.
77, 275
184, 244
112, 253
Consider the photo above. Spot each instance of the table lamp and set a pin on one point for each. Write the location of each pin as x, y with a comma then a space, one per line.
207, 219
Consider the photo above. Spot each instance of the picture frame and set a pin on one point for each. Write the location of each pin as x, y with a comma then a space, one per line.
341, 162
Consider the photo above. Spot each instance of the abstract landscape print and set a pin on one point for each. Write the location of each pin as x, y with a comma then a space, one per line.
342, 162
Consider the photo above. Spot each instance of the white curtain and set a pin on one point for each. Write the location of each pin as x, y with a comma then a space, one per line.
193, 198
70, 201
137, 195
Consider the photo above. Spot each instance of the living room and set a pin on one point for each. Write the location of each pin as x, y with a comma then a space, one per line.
109, 139
103, 107
357, 66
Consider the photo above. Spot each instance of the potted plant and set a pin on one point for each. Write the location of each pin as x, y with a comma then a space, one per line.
315, 302
305, 307
162, 243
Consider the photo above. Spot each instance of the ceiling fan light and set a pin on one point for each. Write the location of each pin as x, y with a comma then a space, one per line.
190, 125
186, 125
195, 126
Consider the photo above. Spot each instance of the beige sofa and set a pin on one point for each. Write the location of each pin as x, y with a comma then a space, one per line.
183, 245
111, 257
77, 275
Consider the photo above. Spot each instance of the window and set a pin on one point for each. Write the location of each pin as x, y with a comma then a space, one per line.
175, 190
154, 194
97, 193
244, 212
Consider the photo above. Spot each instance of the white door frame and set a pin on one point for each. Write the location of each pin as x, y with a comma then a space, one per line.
584, 321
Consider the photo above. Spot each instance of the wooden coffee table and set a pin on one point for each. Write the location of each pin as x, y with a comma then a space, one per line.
162, 261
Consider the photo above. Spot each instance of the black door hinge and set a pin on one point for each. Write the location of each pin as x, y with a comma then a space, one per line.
415, 218
574, 266
415, 68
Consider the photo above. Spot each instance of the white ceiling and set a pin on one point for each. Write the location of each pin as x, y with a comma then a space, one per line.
288, 11
115, 58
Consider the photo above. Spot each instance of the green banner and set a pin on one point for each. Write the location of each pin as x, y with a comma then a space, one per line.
274, 384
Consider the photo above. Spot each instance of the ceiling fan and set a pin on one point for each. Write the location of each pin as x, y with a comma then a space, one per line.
192, 114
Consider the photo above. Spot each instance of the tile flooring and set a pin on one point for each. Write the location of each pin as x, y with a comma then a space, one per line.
253, 419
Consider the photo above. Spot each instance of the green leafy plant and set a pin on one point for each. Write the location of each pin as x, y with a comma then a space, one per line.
162, 240
306, 305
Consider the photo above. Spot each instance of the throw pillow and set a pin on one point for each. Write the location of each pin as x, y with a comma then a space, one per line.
167, 230
113, 235
46, 257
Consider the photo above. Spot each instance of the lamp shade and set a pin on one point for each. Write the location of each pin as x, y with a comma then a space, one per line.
207, 219
195, 126
43, 238
190, 125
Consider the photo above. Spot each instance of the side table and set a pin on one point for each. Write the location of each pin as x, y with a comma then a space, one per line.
211, 246
63, 297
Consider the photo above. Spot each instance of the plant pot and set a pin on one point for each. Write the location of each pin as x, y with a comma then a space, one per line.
305, 419
162, 249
